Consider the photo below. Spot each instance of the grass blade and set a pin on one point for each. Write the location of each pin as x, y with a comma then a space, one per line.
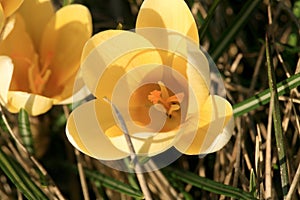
210, 14
264, 97
207, 184
25, 132
20, 178
113, 184
229, 34
277, 123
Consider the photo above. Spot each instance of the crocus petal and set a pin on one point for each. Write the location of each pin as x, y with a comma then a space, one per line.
10, 6
62, 43
147, 143
74, 90
101, 126
87, 134
36, 14
96, 40
112, 58
18, 45
32, 103
2, 18
161, 14
6, 70
199, 83
222, 139
221, 115
215, 115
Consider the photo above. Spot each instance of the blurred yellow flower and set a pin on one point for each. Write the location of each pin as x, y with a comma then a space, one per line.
8, 7
41, 55
159, 80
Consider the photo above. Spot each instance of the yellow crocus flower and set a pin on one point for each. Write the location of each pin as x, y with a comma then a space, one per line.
40, 55
159, 80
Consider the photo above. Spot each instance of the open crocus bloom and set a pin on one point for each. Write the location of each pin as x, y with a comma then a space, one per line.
159, 81
40, 55
8, 7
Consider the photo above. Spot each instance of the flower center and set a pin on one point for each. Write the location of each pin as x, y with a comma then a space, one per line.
39, 77
170, 103
167, 110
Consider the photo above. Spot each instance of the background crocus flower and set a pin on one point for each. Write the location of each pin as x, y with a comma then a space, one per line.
45, 48
159, 80
7, 8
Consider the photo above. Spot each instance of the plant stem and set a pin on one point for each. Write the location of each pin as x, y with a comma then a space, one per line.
210, 14
277, 122
137, 166
79, 164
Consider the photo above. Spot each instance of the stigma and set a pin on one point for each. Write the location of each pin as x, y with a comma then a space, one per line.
170, 103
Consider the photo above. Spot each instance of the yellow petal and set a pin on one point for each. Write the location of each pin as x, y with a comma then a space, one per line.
173, 15
100, 137
74, 90
199, 82
2, 18
96, 40
17, 44
214, 116
10, 6
87, 134
36, 14
222, 139
222, 113
6, 71
148, 143
32, 103
111, 59
62, 43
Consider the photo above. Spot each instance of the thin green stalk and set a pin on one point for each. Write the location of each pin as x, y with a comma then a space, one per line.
25, 131
264, 97
67, 2
137, 166
20, 178
210, 14
277, 122
229, 34
206, 184
109, 182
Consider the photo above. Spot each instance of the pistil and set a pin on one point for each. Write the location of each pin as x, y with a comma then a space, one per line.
38, 78
170, 103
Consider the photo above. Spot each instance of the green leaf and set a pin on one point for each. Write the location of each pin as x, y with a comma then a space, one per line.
208, 18
207, 184
277, 121
252, 184
229, 34
264, 97
67, 2
113, 184
20, 178
25, 132
2, 125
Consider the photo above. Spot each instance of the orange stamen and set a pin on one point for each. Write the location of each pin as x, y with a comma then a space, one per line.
170, 103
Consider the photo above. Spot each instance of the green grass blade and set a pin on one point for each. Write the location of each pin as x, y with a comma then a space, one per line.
207, 184
67, 2
25, 132
208, 18
2, 125
252, 183
229, 34
264, 97
20, 178
113, 184
277, 123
